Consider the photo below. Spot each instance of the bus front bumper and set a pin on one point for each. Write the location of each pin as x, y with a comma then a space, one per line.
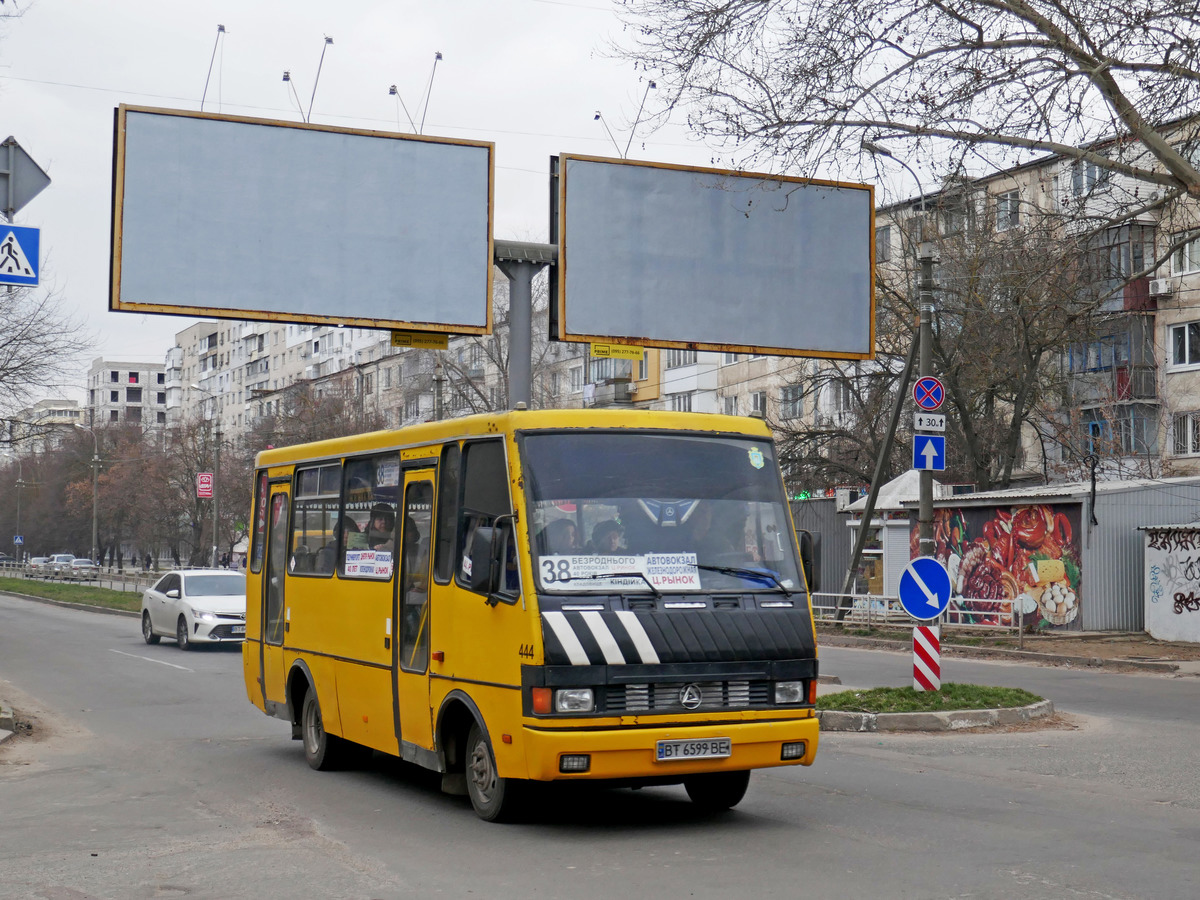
632, 751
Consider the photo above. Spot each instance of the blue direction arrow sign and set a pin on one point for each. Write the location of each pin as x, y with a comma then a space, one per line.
928, 393
18, 254
925, 588
929, 452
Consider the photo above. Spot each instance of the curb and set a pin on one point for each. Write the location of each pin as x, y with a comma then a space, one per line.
8, 723
835, 720
999, 653
108, 611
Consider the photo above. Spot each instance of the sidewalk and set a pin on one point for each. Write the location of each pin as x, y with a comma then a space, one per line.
1118, 653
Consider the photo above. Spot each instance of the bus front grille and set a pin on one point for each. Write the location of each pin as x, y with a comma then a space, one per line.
669, 696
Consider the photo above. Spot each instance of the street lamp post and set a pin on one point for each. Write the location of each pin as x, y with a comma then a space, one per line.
925, 256
95, 488
20, 484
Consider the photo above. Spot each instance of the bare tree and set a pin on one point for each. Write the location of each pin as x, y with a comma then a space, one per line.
39, 343
980, 82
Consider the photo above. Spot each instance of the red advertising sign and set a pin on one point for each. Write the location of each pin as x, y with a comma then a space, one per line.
204, 484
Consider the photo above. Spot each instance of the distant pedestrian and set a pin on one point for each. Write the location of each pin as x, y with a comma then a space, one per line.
146, 563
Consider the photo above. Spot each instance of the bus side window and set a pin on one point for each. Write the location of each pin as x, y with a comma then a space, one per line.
484, 497
314, 510
447, 513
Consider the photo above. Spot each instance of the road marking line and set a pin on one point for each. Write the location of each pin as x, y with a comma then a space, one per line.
148, 659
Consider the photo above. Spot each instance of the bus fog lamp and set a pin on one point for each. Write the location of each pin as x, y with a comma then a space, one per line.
579, 762
793, 750
789, 692
574, 700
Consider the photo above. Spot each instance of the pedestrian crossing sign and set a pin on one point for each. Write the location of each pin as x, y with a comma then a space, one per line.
19, 254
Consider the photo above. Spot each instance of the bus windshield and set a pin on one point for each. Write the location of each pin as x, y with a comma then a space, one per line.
658, 513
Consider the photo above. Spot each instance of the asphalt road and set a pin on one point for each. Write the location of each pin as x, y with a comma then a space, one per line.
156, 778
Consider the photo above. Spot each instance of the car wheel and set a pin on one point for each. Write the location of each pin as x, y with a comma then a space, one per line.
181, 634
717, 791
148, 634
323, 751
495, 799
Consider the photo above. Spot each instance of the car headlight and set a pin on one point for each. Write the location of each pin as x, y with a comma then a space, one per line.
574, 700
789, 692
203, 616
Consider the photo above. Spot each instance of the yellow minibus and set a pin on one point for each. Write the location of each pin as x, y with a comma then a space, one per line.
548, 595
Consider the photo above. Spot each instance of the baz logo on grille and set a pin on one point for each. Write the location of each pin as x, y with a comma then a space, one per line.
690, 697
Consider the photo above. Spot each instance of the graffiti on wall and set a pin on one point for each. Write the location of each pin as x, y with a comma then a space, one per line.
1010, 561
1173, 584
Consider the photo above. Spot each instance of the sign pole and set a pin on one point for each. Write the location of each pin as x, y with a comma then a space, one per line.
925, 508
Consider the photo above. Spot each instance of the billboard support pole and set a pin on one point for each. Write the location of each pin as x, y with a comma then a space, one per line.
520, 261
520, 331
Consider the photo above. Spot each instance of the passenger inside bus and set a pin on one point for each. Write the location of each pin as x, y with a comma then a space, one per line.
559, 537
606, 538
381, 530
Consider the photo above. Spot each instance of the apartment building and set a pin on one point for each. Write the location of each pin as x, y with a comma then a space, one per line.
1129, 384
133, 392
44, 425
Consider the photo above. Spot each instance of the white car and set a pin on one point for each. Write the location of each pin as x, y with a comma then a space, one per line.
60, 565
81, 570
195, 606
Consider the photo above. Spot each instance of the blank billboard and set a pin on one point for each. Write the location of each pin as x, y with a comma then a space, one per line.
254, 219
669, 256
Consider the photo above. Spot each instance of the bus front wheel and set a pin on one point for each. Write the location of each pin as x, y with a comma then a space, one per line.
717, 791
493, 797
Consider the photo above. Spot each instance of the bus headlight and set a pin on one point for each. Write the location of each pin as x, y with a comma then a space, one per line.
789, 692
574, 700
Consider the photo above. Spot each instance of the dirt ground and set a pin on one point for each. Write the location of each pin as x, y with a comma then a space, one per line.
1093, 645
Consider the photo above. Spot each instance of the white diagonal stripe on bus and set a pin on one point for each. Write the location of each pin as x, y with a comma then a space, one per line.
608, 644
638, 635
566, 636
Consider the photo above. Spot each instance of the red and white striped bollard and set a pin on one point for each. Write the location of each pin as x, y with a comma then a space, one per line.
927, 658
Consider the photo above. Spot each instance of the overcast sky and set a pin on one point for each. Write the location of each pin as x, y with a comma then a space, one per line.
526, 74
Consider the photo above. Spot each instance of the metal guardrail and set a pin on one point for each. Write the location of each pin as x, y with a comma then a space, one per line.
113, 579
880, 611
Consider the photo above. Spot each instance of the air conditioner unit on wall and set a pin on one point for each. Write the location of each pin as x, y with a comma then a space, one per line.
1160, 287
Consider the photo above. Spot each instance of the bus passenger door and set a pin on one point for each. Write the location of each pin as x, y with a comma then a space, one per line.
413, 717
274, 609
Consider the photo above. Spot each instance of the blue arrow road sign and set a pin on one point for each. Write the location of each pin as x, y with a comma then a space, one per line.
18, 254
929, 452
925, 588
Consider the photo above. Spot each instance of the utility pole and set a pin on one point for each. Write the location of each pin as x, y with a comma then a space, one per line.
95, 487
216, 491
438, 378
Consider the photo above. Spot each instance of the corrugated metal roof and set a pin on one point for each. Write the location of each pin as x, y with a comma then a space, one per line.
1078, 490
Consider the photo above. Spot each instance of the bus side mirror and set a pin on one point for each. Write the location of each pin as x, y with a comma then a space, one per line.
808, 558
483, 569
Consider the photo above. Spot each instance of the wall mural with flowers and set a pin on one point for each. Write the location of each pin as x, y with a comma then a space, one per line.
1012, 560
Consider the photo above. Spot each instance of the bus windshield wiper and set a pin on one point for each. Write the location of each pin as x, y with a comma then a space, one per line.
759, 574
642, 575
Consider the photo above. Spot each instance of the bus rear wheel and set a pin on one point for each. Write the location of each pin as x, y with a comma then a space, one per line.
323, 751
494, 798
717, 791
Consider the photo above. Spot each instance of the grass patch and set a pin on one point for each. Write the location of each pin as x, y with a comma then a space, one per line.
83, 594
952, 696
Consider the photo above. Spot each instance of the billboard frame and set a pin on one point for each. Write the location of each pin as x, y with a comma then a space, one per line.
559, 329
117, 304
